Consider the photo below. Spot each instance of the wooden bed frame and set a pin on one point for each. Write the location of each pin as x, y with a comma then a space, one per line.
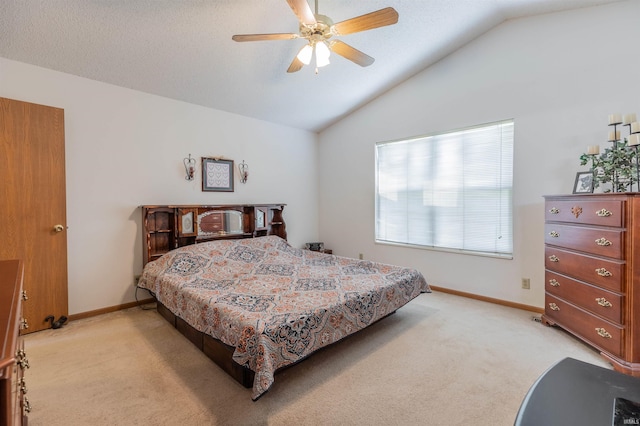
159, 220
164, 230
219, 352
222, 354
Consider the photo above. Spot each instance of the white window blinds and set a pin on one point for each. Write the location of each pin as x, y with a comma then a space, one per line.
450, 191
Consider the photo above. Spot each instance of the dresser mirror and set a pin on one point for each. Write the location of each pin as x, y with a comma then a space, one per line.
220, 222
234, 222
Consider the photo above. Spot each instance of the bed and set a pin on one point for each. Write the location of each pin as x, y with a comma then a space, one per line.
270, 304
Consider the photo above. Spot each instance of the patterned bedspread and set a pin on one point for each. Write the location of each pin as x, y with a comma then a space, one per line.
274, 303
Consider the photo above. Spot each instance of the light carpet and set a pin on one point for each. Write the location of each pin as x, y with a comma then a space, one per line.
440, 360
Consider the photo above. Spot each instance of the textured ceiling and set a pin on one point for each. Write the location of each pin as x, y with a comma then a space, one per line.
183, 49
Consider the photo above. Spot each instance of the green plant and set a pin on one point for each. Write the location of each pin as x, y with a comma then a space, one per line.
616, 165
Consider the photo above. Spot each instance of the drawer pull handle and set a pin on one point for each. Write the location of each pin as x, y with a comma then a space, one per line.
603, 333
603, 302
604, 213
23, 363
603, 272
554, 307
554, 210
554, 283
554, 234
603, 242
21, 359
554, 258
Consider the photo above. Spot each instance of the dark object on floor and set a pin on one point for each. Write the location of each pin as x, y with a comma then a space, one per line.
626, 412
56, 324
318, 246
573, 392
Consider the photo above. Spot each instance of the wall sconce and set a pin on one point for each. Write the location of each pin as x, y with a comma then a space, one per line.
189, 167
243, 168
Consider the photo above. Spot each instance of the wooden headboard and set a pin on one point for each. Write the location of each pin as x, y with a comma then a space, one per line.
165, 228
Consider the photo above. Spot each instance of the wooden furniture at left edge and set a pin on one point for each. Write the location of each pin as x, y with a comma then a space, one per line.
168, 227
14, 405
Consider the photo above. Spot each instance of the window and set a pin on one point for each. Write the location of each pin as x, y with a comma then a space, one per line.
450, 191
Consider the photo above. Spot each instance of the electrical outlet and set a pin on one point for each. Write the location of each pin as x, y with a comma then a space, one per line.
526, 283
360, 256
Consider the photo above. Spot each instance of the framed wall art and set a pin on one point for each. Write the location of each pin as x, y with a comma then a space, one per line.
584, 183
217, 175
187, 222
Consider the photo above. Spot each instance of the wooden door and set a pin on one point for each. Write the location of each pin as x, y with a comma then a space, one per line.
33, 205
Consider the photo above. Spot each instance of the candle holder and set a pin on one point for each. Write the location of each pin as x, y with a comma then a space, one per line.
614, 137
592, 158
189, 167
635, 147
618, 164
243, 168
634, 141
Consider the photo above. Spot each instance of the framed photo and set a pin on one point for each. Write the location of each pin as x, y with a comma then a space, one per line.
261, 214
187, 222
584, 183
217, 175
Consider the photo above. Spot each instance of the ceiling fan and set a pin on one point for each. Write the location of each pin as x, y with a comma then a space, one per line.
319, 29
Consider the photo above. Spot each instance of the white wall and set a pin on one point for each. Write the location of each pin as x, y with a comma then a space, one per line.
558, 75
125, 148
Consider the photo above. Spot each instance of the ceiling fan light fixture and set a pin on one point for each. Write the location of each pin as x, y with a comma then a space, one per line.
305, 54
322, 54
318, 29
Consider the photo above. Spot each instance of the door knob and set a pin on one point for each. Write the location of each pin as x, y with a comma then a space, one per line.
58, 228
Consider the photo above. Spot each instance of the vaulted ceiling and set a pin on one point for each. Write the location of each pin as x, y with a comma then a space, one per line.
183, 49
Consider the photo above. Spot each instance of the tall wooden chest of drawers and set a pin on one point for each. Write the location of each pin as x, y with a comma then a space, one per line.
592, 272
14, 405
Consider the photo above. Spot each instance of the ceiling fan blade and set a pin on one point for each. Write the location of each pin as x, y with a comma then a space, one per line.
377, 19
351, 53
260, 37
303, 11
295, 66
